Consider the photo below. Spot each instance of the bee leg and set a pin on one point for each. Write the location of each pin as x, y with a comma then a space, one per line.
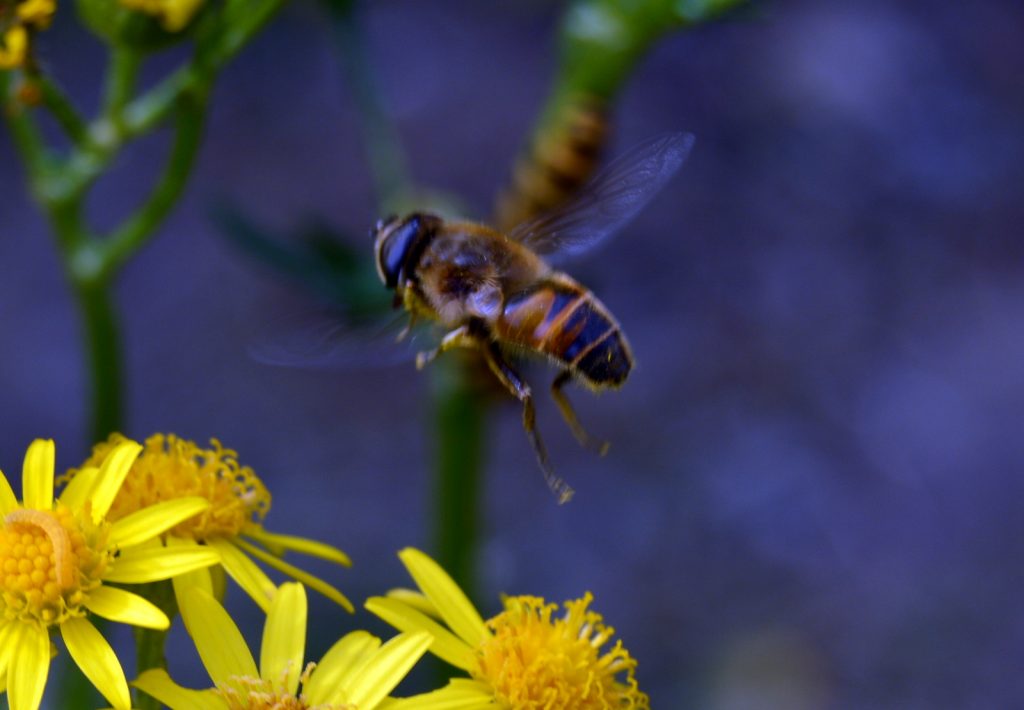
521, 391
461, 337
569, 415
407, 329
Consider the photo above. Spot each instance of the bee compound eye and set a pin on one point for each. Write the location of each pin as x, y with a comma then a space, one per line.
395, 249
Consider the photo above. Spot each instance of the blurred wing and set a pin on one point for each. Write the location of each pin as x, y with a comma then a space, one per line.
330, 341
609, 200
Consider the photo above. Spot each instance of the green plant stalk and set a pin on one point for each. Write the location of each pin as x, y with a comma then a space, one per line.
602, 41
384, 154
103, 357
149, 643
60, 185
459, 412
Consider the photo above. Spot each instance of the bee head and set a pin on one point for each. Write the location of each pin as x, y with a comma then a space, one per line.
395, 240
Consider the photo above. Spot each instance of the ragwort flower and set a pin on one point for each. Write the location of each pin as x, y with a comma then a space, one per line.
170, 468
57, 558
528, 657
357, 673
18, 20
174, 15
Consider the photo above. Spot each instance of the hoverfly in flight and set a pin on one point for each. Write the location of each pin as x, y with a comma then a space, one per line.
495, 292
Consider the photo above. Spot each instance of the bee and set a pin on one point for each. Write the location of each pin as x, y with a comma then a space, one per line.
497, 293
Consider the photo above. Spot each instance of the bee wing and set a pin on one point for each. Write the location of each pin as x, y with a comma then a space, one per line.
328, 340
610, 200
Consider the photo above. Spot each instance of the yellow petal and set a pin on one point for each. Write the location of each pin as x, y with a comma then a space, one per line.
459, 694
37, 475
149, 564
339, 664
112, 474
28, 666
158, 684
386, 669
123, 606
8, 501
97, 660
246, 574
278, 543
154, 520
417, 600
446, 645
7, 630
301, 575
284, 637
77, 491
452, 604
201, 578
218, 640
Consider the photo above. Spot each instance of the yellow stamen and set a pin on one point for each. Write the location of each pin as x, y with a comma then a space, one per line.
245, 693
537, 662
170, 468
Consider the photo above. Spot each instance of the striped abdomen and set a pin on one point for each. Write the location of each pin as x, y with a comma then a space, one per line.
558, 163
558, 317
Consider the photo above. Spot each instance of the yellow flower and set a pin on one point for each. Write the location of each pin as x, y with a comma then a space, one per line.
525, 658
17, 21
174, 15
357, 673
56, 560
171, 468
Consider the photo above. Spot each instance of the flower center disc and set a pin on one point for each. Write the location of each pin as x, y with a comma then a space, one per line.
535, 662
46, 563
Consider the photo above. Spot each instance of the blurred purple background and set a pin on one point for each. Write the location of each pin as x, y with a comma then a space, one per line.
813, 495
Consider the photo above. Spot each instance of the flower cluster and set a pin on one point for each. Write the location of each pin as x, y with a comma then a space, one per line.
171, 510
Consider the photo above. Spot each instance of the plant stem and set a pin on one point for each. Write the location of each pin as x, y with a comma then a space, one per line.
149, 643
131, 235
62, 109
459, 414
384, 154
103, 355
122, 75
27, 139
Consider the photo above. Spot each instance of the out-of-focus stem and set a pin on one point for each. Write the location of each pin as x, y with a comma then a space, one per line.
62, 109
459, 415
27, 139
149, 643
103, 356
600, 43
127, 239
458, 407
383, 149
120, 83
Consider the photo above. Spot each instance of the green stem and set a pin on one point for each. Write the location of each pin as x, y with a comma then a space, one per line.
122, 75
131, 235
380, 138
103, 355
62, 109
27, 139
149, 643
460, 413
